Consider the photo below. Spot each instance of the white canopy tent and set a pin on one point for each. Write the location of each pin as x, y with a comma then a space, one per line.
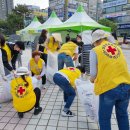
27, 34
52, 21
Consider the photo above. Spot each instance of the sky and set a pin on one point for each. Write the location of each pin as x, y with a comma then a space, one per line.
42, 3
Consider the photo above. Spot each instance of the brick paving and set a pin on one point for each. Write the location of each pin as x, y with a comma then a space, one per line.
50, 118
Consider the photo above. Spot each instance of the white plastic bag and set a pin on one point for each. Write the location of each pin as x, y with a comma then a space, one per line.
5, 94
52, 66
87, 97
36, 83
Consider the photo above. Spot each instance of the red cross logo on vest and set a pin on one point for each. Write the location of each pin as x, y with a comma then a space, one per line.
71, 68
111, 50
21, 90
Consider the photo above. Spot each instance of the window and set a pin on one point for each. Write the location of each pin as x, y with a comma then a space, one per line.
118, 8
110, 10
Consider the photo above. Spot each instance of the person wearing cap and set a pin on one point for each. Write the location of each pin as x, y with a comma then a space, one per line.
67, 54
37, 66
65, 79
53, 43
9, 54
25, 97
109, 73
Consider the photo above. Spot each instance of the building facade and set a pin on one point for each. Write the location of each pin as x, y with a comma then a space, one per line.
90, 6
118, 11
6, 7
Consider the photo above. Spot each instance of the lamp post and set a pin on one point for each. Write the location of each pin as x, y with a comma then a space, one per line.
66, 10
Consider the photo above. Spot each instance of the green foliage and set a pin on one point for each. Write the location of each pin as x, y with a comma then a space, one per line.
108, 23
22, 10
40, 18
15, 20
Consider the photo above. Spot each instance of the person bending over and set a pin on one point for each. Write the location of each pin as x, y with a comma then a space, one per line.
65, 79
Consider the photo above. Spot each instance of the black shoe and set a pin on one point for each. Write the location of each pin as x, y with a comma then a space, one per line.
37, 110
20, 114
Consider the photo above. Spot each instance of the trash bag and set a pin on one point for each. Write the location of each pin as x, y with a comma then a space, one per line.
5, 95
87, 97
36, 83
52, 66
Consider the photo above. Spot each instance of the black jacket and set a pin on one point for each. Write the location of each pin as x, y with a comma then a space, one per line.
14, 55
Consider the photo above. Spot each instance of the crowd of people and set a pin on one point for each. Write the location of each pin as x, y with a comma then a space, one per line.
108, 72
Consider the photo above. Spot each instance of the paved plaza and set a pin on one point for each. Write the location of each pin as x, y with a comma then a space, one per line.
50, 118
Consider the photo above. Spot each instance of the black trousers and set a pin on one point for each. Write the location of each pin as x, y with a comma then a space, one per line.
37, 92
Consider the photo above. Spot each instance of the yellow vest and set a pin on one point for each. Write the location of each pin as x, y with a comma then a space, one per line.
36, 68
51, 45
68, 48
72, 74
112, 68
8, 52
24, 97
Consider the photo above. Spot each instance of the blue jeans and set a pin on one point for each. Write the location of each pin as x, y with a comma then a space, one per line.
118, 97
64, 59
69, 92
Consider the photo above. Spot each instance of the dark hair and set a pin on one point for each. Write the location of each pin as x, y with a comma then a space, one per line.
81, 68
43, 34
23, 77
35, 53
79, 36
20, 44
2, 40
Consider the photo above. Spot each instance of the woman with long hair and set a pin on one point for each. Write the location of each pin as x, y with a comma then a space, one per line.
41, 44
25, 97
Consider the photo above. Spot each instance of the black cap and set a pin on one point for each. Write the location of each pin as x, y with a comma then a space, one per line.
20, 44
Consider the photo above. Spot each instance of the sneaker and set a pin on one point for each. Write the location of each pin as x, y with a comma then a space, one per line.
20, 115
44, 87
37, 110
68, 114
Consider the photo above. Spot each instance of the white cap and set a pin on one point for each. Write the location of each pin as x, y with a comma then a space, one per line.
22, 71
98, 34
57, 36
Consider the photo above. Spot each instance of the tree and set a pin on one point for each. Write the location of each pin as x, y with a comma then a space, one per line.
40, 18
15, 22
22, 10
3, 26
108, 23
16, 19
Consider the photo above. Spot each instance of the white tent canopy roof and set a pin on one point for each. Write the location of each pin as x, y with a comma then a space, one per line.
33, 25
52, 21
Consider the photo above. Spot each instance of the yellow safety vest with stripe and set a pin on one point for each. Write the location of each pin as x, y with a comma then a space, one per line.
112, 67
8, 52
36, 68
68, 48
72, 74
51, 45
24, 97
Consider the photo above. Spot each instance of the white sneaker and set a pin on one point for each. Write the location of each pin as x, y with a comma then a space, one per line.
44, 86
68, 114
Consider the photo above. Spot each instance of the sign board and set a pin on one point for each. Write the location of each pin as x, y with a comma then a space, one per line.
114, 3
113, 15
124, 26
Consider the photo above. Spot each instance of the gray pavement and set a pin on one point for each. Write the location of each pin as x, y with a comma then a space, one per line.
50, 118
